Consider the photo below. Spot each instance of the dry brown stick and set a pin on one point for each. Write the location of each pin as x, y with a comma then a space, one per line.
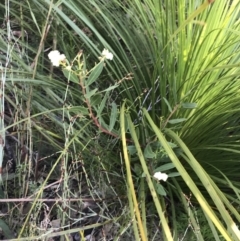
53, 233
11, 200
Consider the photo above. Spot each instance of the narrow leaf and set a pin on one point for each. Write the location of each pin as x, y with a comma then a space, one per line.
176, 121
102, 105
171, 144
189, 105
102, 122
174, 174
95, 73
79, 109
137, 169
113, 117
90, 93
95, 100
110, 88
164, 167
168, 105
70, 76
131, 150
159, 189
6, 230
148, 153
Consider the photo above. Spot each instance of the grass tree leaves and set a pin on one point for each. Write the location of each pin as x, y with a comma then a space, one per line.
188, 180
168, 105
166, 228
199, 66
176, 121
189, 105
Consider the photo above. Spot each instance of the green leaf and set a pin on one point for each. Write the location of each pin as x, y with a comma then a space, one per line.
169, 106
174, 174
164, 167
137, 169
79, 109
176, 121
159, 189
171, 144
103, 123
132, 150
6, 230
126, 124
95, 73
89, 94
70, 76
148, 153
110, 88
102, 105
95, 100
144, 174
113, 117
189, 105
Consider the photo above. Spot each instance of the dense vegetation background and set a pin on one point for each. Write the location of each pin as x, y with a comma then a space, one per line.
81, 143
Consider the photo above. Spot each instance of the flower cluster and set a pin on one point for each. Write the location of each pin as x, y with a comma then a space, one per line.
106, 54
56, 58
160, 176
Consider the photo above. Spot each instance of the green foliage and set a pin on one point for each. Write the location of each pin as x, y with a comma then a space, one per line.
168, 102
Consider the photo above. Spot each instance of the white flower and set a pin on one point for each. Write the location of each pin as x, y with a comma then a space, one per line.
56, 58
107, 54
160, 176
